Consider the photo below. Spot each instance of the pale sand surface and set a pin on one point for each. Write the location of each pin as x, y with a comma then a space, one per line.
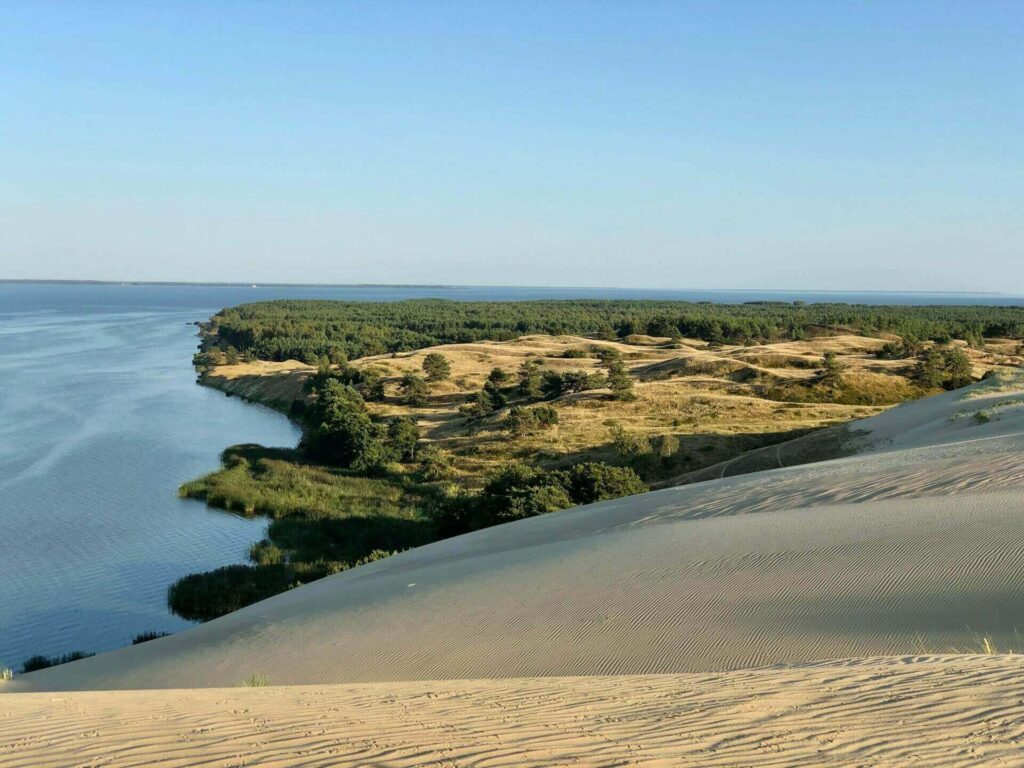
914, 546
944, 710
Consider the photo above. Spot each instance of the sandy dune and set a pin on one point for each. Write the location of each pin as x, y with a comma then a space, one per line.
913, 546
945, 710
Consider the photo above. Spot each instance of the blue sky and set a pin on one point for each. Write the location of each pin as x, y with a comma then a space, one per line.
815, 145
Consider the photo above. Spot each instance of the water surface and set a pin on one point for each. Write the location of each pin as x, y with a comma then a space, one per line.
101, 421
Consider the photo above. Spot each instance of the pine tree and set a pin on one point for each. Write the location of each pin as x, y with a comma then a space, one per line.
620, 382
414, 389
436, 366
832, 369
530, 379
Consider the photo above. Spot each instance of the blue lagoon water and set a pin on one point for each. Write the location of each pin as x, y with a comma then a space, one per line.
101, 420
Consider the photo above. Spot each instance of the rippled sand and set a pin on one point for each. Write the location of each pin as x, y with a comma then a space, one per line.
942, 710
915, 546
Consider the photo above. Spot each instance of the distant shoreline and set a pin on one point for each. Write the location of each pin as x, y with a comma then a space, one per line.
452, 286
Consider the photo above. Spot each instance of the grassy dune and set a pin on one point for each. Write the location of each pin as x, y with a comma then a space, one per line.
717, 401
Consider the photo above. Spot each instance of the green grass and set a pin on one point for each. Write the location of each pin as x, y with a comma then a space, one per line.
858, 389
257, 680
277, 483
323, 520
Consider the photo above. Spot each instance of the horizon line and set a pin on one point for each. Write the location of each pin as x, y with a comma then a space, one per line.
257, 284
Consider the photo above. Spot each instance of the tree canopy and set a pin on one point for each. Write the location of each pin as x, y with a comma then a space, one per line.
310, 330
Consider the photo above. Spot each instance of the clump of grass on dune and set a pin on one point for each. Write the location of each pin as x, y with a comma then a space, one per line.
980, 645
981, 417
257, 680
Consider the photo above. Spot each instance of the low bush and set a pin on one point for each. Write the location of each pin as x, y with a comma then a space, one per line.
35, 663
521, 420
145, 637
517, 491
205, 596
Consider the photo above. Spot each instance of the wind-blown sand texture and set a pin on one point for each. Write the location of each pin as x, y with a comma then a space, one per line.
928, 711
913, 546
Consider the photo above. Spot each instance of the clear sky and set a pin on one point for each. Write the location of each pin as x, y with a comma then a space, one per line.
816, 145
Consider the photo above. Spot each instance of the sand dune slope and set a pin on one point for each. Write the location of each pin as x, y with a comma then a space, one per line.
916, 546
951, 710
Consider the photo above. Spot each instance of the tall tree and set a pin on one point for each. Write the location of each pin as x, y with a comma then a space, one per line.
832, 369
530, 379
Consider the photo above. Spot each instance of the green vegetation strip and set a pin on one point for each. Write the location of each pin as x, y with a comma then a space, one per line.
309, 330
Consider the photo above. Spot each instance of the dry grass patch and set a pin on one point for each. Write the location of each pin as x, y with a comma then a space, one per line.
713, 399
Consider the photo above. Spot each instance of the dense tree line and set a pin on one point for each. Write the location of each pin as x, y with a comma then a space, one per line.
517, 491
339, 431
311, 330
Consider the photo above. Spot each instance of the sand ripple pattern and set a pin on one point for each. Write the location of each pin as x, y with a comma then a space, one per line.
949, 711
915, 550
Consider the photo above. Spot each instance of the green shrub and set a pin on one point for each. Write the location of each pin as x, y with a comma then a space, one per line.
521, 420
414, 389
436, 367
531, 379
266, 552
498, 376
516, 491
946, 367
576, 352
630, 445
620, 381
205, 596
340, 429
594, 481
554, 384
403, 436
435, 465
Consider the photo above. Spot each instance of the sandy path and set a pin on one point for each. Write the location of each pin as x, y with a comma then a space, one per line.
951, 710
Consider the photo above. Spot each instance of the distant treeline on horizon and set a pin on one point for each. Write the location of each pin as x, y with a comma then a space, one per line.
310, 329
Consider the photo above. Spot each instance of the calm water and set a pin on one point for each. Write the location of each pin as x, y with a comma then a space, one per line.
101, 421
